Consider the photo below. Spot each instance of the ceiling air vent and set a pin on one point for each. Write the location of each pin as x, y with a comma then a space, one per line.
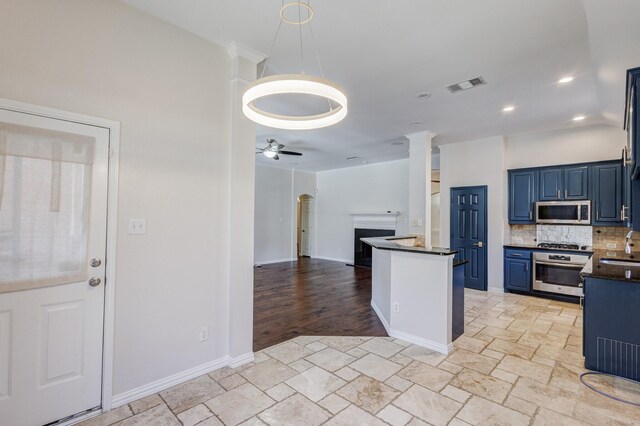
466, 85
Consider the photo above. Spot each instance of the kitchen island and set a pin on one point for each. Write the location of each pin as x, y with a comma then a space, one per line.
417, 292
611, 315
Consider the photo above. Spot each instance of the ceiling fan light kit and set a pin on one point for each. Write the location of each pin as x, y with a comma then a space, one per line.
295, 84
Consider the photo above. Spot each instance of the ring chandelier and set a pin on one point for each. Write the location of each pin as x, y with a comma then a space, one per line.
295, 84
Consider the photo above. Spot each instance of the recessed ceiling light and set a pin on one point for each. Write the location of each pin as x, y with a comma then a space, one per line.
364, 161
351, 158
416, 123
579, 118
508, 108
424, 96
566, 79
397, 143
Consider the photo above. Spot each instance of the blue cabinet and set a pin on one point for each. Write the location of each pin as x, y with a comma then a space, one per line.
632, 121
522, 196
631, 199
576, 183
550, 185
611, 332
607, 194
517, 270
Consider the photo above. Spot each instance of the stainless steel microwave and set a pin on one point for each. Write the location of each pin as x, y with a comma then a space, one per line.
564, 212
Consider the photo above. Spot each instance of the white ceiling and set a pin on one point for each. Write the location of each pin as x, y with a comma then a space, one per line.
383, 53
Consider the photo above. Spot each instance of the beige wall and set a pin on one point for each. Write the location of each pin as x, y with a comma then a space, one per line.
479, 162
584, 144
170, 92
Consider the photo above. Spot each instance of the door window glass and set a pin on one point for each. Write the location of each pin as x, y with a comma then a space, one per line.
45, 183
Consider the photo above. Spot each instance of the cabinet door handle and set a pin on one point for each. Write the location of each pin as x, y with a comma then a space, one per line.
526, 267
530, 215
565, 194
622, 215
558, 192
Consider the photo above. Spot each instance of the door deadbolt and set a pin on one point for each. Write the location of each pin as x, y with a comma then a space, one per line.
95, 262
95, 282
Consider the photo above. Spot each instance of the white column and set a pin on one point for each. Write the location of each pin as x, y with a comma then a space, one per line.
420, 184
241, 209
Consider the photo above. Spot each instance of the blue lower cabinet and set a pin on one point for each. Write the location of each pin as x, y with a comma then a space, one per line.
517, 270
611, 331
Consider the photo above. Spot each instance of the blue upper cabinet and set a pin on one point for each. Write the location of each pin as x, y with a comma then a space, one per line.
632, 121
607, 194
576, 183
522, 196
550, 185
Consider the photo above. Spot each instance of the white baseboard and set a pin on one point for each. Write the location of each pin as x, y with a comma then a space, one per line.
240, 360
176, 379
381, 317
267, 262
335, 259
419, 341
425, 343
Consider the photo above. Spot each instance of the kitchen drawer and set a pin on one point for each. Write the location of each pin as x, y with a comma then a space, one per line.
517, 254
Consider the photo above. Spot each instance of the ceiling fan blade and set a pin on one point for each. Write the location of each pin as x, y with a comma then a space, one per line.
289, 153
280, 146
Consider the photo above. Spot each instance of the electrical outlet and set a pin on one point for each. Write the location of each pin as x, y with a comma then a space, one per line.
612, 245
204, 334
396, 307
137, 226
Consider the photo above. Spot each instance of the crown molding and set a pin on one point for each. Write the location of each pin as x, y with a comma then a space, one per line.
426, 133
236, 49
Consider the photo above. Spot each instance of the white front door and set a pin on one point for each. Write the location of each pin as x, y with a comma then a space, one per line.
305, 227
53, 204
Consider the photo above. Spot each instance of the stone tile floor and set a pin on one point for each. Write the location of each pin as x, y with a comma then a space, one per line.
518, 363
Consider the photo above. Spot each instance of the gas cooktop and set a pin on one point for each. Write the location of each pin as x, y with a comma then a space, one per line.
563, 246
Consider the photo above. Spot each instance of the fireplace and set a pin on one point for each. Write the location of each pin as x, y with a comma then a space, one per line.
367, 225
362, 254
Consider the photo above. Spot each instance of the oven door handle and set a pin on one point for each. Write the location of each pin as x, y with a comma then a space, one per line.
566, 265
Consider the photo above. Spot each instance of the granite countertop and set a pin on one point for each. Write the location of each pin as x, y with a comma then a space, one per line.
595, 269
388, 243
535, 247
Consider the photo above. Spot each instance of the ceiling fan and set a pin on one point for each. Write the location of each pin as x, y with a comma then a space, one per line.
274, 149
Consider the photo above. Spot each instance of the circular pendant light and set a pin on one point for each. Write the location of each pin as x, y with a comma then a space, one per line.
295, 84
298, 84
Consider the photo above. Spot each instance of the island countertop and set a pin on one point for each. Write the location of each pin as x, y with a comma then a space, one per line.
595, 269
391, 243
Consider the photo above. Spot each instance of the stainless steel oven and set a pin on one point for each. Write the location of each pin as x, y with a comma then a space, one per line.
558, 272
563, 212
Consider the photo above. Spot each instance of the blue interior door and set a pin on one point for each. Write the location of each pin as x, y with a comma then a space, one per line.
469, 233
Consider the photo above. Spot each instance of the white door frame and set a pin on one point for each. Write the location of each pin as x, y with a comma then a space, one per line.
112, 219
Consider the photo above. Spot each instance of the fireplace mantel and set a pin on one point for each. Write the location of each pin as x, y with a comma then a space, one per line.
385, 220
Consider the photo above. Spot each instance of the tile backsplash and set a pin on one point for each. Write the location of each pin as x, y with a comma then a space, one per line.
565, 234
599, 237
612, 238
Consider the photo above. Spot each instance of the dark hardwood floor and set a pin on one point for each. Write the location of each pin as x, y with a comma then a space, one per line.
312, 297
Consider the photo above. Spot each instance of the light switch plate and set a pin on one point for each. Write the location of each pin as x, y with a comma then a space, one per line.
137, 226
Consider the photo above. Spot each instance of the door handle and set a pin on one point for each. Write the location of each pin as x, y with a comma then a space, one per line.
479, 244
565, 194
558, 192
95, 262
95, 282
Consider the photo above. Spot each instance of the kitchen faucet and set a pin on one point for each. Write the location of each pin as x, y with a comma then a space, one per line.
627, 243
